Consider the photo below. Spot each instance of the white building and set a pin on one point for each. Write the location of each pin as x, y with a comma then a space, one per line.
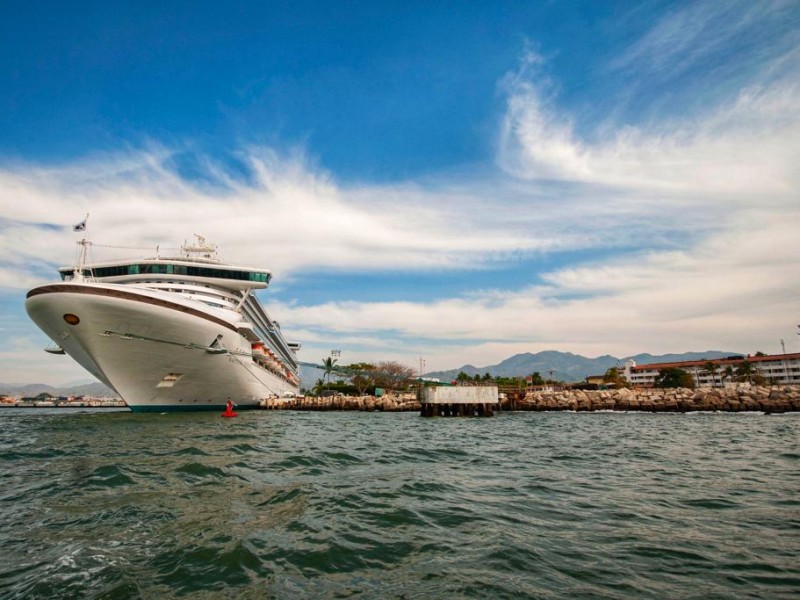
777, 368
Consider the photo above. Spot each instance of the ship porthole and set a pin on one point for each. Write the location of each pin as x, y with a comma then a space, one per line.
71, 319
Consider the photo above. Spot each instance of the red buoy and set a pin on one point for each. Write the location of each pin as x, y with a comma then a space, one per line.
228, 413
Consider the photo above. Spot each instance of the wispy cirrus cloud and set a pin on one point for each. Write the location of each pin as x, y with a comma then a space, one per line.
713, 33
746, 145
286, 214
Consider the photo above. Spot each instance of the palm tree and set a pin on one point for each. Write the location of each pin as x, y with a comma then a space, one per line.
745, 371
328, 364
711, 368
729, 372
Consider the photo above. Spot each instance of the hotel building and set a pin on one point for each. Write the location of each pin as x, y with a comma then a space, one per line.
776, 369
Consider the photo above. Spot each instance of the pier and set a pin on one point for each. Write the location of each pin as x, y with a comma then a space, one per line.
458, 401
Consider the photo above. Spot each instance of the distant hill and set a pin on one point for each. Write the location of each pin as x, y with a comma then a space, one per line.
96, 389
567, 366
309, 376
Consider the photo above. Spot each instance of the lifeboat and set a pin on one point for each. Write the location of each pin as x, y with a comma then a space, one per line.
258, 351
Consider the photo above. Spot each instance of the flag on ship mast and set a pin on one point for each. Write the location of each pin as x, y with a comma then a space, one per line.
82, 225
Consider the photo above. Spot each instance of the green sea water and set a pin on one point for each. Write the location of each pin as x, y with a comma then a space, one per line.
99, 504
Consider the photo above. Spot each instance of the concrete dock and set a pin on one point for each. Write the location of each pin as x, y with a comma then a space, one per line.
458, 401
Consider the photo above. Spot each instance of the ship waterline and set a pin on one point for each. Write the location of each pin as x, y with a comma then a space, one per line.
166, 341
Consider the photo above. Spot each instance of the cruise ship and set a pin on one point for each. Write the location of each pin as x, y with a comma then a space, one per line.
175, 333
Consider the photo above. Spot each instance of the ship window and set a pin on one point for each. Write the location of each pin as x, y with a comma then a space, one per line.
167, 269
202, 272
261, 277
110, 271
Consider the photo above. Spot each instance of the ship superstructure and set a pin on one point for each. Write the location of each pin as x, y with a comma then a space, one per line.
169, 333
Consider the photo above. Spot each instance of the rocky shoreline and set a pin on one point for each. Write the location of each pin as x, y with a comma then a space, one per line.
387, 403
776, 399
729, 399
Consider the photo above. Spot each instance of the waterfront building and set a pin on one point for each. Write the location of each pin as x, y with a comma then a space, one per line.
775, 368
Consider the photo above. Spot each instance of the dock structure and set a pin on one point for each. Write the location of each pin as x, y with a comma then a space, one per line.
458, 401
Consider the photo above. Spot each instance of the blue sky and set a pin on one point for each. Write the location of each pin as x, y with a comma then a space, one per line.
457, 181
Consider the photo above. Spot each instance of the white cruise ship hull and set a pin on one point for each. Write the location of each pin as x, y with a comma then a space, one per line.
158, 354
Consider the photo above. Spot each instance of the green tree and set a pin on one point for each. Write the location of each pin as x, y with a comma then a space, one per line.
537, 379
361, 376
361, 382
358, 367
328, 364
673, 377
729, 372
487, 377
613, 377
510, 382
711, 368
318, 387
745, 371
462, 377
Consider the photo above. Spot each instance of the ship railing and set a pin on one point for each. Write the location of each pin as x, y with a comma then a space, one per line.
91, 278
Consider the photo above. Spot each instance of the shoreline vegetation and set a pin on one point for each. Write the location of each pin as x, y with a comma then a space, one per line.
775, 399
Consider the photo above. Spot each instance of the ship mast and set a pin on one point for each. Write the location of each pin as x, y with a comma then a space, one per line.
77, 272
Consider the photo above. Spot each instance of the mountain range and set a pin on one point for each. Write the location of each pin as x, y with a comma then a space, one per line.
96, 389
566, 366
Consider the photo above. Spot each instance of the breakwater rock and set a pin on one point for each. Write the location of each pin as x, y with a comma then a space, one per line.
387, 403
730, 399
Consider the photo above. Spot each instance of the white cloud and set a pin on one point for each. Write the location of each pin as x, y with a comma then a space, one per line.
289, 218
717, 189
746, 147
735, 291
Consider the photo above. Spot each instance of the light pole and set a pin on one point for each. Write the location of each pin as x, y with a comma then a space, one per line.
785, 368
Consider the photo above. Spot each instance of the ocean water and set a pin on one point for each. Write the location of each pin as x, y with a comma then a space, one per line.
99, 504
